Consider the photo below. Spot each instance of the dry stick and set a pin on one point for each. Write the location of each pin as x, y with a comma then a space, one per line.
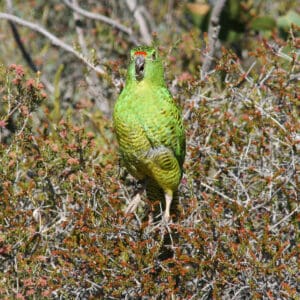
137, 13
18, 39
98, 17
147, 16
95, 88
284, 219
79, 30
102, 18
220, 194
26, 55
54, 40
213, 33
22, 48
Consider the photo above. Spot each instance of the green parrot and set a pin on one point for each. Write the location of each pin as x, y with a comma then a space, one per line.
149, 129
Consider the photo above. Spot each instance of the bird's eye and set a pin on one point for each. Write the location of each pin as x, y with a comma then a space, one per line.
153, 55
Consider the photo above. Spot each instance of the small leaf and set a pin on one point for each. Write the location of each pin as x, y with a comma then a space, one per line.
263, 23
286, 20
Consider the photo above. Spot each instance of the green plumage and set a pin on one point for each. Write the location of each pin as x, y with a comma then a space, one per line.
149, 127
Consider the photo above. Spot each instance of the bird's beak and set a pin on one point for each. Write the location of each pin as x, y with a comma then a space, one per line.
139, 67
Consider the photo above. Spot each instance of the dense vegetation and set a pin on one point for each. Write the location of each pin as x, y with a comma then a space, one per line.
63, 233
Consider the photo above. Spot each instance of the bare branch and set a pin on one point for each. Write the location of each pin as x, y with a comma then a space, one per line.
9, 6
53, 39
213, 33
219, 193
94, 86
22, 48
101, 18
26, 55
138, 14
284, 219
79, 30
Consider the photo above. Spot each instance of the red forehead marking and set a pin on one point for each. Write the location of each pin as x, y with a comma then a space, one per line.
140, 53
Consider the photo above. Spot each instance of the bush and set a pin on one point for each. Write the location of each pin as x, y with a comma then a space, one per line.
63, 233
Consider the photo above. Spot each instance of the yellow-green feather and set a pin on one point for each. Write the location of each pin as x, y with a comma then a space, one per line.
149, 129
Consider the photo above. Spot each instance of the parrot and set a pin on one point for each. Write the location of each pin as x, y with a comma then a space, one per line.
149, 129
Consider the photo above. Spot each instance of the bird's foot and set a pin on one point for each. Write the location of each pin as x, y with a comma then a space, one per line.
166, 217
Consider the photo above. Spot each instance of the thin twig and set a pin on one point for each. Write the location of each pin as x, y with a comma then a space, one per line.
26, 55
54, 40
94, 86
18, 39
213, 33
101, 18
238, 181
219, 193
284, 219
138, 15
263, 112
79, 30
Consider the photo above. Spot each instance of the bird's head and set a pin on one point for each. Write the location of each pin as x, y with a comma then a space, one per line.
145, 65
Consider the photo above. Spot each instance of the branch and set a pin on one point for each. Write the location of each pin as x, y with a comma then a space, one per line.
22, 48
101, 18
53, 39
26, 55
94, 86
213, 33
137, 13
271, 228
18, 39
79, 30
220, 194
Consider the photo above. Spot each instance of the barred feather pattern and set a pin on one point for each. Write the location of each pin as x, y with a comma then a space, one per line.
149, 127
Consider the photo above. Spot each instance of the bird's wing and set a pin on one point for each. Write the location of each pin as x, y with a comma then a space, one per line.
162, 126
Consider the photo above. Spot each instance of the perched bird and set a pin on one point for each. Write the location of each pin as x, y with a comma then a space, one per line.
149, 129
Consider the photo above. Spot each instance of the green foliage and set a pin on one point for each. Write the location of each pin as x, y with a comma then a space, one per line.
242, 18
263, 23
291, 17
